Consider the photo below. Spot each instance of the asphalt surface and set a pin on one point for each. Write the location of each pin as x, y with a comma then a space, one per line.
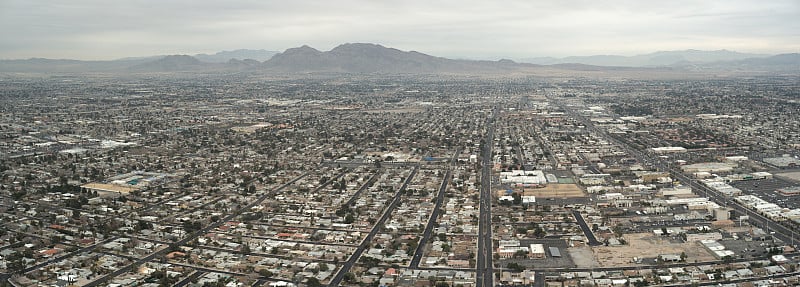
363, 187
426, 235
484, 267
592, 241
192, 236
377, 227
777, 230
188, 279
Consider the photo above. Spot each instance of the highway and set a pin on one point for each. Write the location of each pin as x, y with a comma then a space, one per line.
377, 227
484, 268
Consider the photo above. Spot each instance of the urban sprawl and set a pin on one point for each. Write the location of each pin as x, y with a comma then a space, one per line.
241, 180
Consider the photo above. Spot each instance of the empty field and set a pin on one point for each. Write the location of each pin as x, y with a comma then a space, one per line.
555, 190
648, 245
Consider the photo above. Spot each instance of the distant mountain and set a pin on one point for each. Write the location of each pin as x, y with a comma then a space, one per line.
359, 58
657, 59
782, 63
171, 63
373, 58
241, 54
40, 65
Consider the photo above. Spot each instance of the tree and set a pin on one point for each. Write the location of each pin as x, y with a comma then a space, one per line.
349, 277
313, 282
539, 232
515, 267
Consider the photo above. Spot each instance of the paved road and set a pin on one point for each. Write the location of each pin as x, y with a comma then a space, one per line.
538, 280
592, 241
329, 181
355, 164
363, 187
777, 230
426, 235
484, 267
782, 232
377, 227
5, 276
192, 236
188, 279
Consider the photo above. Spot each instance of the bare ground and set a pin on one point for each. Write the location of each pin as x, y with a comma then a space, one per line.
648, 245
555, 190
583, 257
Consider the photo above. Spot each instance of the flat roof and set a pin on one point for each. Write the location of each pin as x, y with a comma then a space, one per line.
554, 251
108, 187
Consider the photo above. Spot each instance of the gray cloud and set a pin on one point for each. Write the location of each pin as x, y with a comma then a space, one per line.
98, 29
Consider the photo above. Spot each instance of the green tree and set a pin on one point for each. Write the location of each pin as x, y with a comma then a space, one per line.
349, 277
515, 267
313, 282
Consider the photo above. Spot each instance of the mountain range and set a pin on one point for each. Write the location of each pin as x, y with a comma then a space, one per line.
657, 59
373, 58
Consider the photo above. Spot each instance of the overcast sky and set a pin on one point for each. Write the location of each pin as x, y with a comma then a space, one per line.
102, 29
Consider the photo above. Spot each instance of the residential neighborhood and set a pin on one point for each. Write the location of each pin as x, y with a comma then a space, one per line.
239, 180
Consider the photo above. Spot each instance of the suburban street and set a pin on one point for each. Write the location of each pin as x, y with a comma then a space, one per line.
191, 236
426, 235
377, 227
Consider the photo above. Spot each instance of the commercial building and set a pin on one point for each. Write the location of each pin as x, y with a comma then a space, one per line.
537, 251
523, 177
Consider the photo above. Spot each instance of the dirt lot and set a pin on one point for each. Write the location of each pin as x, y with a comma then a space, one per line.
583, 257
555, 190
648, 245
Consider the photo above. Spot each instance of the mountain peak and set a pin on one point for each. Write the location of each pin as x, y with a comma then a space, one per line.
238, 54
170, 63
348, 46
362, 58
179, 59
304, 48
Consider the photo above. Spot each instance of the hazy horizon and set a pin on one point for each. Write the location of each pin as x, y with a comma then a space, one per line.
90, 30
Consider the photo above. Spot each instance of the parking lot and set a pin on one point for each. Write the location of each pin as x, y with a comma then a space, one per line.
748, 249
766, 190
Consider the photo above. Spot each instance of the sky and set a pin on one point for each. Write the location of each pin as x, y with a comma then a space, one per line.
104, 30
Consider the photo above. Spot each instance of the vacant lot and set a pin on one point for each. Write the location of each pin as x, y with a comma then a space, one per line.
555, 191
648, 245
583, 257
